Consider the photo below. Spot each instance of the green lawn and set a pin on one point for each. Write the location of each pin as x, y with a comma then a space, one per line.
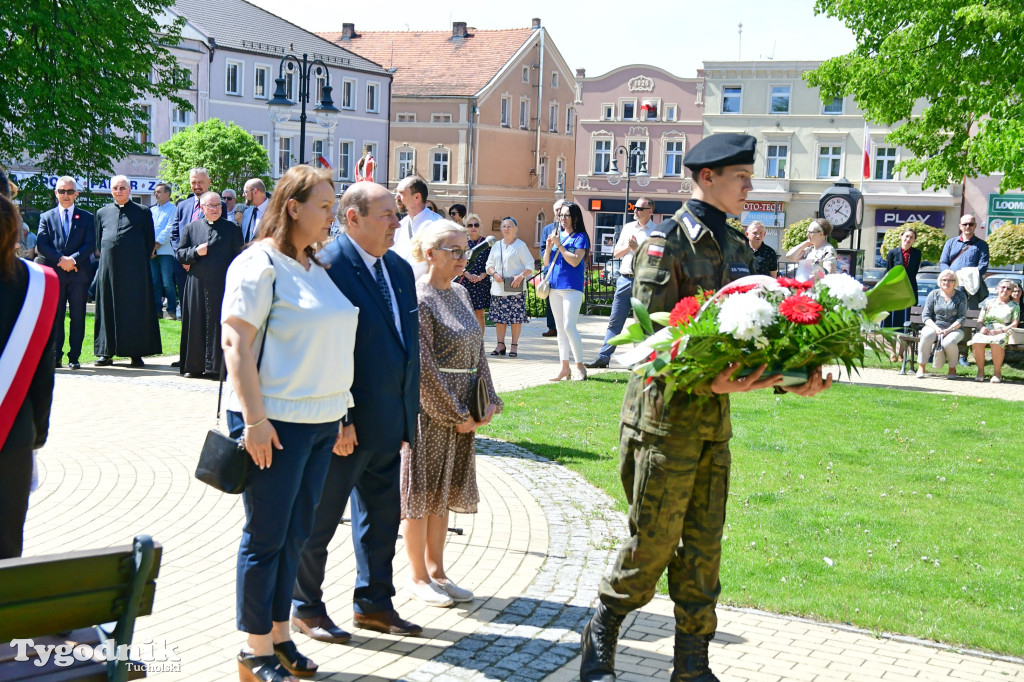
890, 510
170, 337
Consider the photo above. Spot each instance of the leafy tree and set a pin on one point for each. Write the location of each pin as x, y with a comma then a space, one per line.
1006, 245
74, 75
962, 58
930, 240
228, 151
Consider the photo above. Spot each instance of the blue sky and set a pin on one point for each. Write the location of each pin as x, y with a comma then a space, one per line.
600, 35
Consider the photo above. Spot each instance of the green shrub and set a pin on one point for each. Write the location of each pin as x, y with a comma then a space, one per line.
1006, 245
930, 240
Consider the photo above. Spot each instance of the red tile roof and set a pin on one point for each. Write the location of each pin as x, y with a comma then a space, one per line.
431, 62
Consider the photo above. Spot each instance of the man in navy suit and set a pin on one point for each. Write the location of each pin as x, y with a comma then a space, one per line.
66, 239
386, 390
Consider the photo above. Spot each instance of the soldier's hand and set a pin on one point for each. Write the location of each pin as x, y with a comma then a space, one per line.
724, 383
813, 386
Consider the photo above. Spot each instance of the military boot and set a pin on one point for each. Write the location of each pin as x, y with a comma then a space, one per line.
600, 637
691, 664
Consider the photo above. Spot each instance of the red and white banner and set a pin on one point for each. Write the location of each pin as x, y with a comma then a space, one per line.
867, 152
25, 345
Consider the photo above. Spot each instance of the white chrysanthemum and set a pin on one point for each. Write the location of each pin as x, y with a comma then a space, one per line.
846, 289
744, 316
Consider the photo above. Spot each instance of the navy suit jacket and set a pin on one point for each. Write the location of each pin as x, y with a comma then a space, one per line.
386, 384
80, 244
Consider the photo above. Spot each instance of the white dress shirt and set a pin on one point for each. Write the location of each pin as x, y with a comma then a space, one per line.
409, 228
632, 229
259, 211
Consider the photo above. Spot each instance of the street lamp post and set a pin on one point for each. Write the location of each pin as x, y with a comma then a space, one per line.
280, 107
643, 178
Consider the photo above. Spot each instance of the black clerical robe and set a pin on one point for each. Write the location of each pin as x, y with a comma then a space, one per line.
126, 322
204, 291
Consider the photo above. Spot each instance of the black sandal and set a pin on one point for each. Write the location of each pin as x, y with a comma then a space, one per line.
293, 661
252, 668
512, 353
496, 351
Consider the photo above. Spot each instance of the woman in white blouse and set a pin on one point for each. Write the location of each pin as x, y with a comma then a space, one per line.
816, 249
282, 316
510, 264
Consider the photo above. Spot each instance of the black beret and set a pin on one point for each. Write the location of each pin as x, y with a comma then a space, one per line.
723, 149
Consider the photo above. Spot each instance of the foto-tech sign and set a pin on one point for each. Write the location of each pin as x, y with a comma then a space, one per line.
1005, 205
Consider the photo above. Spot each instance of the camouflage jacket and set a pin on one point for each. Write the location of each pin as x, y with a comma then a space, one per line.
681, 257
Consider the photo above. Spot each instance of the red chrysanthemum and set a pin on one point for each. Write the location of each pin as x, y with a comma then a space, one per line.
791, 283
684, 311
801, 309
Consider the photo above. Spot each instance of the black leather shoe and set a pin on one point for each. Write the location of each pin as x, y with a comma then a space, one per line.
137, 362
320, 628
176, 363
57, 364
388, 622
104, 361
600, 638
550, 333
74, 365
600, 363
691, 659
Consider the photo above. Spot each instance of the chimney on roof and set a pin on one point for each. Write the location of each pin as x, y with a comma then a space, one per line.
536, 22
459, 30
581, 73
348, 31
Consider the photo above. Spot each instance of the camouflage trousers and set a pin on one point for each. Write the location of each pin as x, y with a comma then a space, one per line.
677, 490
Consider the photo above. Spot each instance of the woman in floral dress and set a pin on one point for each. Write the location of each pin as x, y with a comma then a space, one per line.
998, 315
476, 280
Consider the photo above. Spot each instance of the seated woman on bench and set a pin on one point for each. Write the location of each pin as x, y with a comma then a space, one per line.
997, 317
944, 314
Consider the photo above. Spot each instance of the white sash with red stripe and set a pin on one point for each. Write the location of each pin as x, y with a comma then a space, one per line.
25, 346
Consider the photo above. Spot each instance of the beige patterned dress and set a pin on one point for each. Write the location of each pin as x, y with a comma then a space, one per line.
439, 472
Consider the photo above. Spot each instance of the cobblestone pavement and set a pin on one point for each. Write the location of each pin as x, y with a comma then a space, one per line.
533, 554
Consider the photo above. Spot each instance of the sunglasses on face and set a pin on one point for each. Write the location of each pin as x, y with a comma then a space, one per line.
967, 224
458, 253
67, 191
472, 224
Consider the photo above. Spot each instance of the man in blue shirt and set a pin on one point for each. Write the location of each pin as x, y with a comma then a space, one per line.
968, 251
545, 232
161, 263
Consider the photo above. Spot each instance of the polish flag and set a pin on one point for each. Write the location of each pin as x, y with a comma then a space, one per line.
322, 160
867, 153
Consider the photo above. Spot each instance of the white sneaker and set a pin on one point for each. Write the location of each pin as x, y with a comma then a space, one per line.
920, 374
454, 591
429, 593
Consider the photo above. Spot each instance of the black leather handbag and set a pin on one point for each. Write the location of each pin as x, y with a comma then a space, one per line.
479, 400
224, 463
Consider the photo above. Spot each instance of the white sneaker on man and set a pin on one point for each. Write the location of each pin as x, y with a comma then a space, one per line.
454, 591
428, 593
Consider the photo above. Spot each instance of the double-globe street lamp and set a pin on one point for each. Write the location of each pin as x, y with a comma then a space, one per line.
634, 156
281, 107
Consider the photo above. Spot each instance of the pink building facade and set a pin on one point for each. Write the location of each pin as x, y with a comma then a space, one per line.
633, 107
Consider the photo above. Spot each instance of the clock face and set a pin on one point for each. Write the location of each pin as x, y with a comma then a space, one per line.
837, 211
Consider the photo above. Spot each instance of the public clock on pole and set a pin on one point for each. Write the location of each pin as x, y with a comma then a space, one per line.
843, 206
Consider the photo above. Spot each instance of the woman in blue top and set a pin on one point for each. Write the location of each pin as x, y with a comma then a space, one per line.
566, 250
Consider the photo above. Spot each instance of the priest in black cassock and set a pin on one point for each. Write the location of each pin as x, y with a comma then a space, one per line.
206, 248
126, 323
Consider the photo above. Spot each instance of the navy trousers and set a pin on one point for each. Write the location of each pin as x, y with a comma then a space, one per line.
372, 479
72, 294
279, 503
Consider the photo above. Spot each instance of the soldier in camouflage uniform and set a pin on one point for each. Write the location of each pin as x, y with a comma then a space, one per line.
675, 458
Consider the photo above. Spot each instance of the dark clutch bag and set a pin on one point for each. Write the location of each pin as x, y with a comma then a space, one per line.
224, 463
479, 401
509, 289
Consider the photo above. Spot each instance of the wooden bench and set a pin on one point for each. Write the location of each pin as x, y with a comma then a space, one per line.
910, 337
70, 599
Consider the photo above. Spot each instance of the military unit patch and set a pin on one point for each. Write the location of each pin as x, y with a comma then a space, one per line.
655, 250
692, 226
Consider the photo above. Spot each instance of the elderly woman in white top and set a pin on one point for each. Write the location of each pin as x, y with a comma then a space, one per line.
509, 264
944, 314
281, 307
816, 249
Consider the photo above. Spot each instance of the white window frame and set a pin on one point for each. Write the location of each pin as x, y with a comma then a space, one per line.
408, 164
182, 121
554, 80
264, 142
553, 117
526, 74
569, 114
146, 138
239, 77
446, 165
286, 152
892, 159
289, 85
314, 152
542, 172
441, 118
345, 168
505, 116
350, 84
405, 117
738, 96
268, 79
667, 155
524, 113
594, 142
656, 101
646, 142
671, 112
842, 107
372, 144
622, 109
318, 88
771, 98
831, 143
608, 112
559, 169
780, 173
373, 86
